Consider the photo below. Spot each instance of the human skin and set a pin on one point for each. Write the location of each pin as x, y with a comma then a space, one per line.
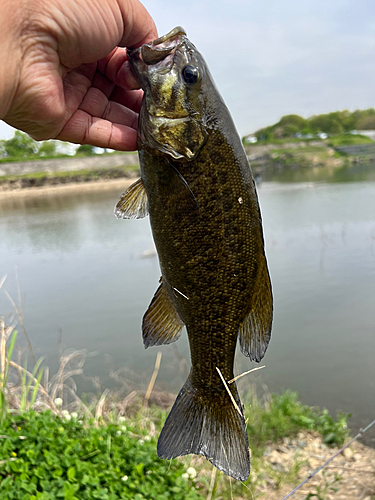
64, 72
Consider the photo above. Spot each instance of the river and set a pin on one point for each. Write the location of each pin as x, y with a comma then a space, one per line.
85, 283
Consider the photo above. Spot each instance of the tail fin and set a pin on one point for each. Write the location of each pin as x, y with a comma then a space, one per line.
209, 428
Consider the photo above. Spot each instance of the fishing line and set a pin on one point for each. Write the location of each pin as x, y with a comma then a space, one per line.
360, 433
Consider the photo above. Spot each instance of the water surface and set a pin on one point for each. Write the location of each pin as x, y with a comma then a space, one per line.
80, 271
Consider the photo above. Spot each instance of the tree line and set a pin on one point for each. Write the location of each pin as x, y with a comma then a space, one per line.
337, 122
21, 147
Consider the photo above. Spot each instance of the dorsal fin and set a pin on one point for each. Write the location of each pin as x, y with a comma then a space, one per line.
133, 203
161, 322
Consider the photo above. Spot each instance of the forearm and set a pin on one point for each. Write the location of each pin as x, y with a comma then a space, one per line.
10, 51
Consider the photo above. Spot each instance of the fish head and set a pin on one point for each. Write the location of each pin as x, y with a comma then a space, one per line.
174, 77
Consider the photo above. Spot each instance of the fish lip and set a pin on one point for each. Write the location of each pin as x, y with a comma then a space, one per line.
157, 50
179, 30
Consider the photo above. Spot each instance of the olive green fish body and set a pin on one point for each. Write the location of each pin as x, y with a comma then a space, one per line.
206, 224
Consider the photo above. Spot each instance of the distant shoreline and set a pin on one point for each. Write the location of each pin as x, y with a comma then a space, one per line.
69, 188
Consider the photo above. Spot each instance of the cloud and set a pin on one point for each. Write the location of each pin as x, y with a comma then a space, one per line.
273, 58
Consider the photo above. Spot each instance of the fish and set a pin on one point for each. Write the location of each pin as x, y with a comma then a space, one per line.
197, 187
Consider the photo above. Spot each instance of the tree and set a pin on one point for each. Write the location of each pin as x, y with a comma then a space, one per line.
335, 122
85, 149
293, 121
366, 123
20, 145
47, 148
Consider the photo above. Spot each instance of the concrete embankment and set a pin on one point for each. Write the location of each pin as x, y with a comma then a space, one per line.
363, 151
68, 174
69, 164
293, 155
269, 159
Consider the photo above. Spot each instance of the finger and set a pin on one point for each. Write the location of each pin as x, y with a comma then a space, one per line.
132, 99
139, 25
95, 103
76, 83
102, 83
116, 68
82, 128
87, 31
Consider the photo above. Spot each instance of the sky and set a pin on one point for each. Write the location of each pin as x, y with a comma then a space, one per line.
270, 58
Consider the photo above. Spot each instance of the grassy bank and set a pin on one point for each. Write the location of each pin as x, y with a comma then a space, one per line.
340, 158
348, 140
39, 179
72, 456
13, 159
290, 160
105, 447
309, 156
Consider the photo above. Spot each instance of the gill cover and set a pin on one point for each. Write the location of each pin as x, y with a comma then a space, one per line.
172, 117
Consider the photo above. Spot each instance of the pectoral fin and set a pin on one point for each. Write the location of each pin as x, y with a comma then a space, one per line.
177, 193
255, 331
161, 322
133, 203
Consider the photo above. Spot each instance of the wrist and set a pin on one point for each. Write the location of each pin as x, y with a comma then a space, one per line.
11, 52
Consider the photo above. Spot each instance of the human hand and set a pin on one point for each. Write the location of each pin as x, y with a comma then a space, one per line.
66, 74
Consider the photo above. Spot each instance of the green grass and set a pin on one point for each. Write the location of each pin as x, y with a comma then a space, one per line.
56, 454
308, 156
348, 140
335, 140
41, 178
13, 159
43, 456
47, 457
285, 140
284, 416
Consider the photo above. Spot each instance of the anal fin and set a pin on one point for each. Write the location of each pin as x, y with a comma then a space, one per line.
255, 330
133, 203
161, 322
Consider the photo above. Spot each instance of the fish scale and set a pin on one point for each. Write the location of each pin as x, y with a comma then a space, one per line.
196, 185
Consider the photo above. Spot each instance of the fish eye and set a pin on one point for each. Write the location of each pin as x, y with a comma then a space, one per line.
190, 74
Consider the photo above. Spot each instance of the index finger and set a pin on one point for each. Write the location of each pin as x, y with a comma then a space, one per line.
139, 27
117, 69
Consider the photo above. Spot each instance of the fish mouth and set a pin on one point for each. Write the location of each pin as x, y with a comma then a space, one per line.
179, 30
157, 50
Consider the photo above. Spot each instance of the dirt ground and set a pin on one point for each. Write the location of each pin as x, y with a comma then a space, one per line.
350, 476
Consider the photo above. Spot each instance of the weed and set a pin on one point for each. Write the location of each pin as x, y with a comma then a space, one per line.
5, 354
284, 416
329, 486
46, 457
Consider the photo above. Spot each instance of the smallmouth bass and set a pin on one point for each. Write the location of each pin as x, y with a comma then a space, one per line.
197, 187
